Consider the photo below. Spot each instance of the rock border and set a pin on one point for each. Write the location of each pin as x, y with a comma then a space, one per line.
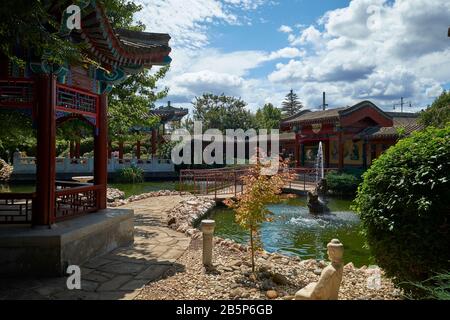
162, 193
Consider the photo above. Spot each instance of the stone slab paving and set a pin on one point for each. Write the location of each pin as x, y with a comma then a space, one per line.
122, 273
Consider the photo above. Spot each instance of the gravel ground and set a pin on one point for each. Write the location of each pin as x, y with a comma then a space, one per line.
279, 277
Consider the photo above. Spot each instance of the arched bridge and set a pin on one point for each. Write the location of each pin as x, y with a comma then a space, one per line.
224, 183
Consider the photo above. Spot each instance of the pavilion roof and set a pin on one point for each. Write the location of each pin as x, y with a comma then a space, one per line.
169, 113
330, 115
408, 122
129, 50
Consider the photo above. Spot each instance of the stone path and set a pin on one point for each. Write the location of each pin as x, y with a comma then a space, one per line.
122, 273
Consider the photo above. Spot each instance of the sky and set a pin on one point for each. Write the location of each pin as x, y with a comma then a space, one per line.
377, 50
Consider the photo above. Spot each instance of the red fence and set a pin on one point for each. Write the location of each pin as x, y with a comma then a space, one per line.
75, 199
16, 208
72, 200
213, 182
305, 179
225, 182
17, 92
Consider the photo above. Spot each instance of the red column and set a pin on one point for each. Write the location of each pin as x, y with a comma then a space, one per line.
44, 206
327, 154
154, 141
77, 149
72, 149
297, 151
138, 150
101, 153
341, 151
110, 149
120, 150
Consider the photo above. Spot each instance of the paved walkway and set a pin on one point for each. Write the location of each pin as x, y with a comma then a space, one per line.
122, 273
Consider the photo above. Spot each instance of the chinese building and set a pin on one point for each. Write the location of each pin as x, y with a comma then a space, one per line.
352, 136
52, 94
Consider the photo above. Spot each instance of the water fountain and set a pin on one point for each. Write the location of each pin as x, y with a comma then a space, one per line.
316, 199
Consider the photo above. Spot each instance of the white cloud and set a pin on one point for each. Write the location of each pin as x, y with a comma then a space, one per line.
187, 21
374, 49
285, 29
371, 49
309, 35
218, 72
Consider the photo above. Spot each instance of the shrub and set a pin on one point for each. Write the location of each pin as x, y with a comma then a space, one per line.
438, 114
404, 206
434, 288
131, 174
342, 183
6, 171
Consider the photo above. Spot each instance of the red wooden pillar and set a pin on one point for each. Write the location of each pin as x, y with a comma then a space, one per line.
101, 153
44, 206
154, 142
110, 149
341, 151
77, 149
297, 151
327, 154
72, 149
138, 150
120, 150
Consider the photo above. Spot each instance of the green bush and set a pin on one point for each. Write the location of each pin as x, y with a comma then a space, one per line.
404, 206
131, 174
342, 183
434, 288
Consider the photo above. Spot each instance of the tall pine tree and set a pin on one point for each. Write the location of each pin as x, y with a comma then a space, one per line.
291, 105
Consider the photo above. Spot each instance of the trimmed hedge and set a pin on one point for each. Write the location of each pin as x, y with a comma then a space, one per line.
404, 205
342, 183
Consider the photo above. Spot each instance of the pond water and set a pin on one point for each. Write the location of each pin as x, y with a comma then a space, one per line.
129, 188
296, 232
17, 188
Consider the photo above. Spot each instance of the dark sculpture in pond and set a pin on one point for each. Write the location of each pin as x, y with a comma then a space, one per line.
315, 204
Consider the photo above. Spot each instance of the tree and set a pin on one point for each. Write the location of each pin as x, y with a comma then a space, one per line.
259, 191
130, 104
291, 105
268, 117
17, 132
222, 112
438, 114
404, 206
36, 24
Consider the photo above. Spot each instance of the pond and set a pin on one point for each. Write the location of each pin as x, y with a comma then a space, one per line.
129, 188
296, 232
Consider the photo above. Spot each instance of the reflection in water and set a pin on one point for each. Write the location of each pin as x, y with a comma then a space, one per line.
296, 232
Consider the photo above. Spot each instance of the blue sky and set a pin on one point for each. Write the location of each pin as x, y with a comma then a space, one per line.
355, 50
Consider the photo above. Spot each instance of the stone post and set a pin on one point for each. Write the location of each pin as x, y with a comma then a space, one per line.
207, 228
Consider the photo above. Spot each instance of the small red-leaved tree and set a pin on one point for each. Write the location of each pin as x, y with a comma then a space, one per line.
260, 190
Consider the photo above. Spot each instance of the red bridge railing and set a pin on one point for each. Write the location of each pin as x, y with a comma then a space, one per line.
213, 182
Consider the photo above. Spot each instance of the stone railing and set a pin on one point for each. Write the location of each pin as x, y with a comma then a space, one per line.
27, 165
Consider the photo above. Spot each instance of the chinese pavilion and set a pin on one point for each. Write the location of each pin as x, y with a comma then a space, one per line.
53, 94
168, 115
352, 136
